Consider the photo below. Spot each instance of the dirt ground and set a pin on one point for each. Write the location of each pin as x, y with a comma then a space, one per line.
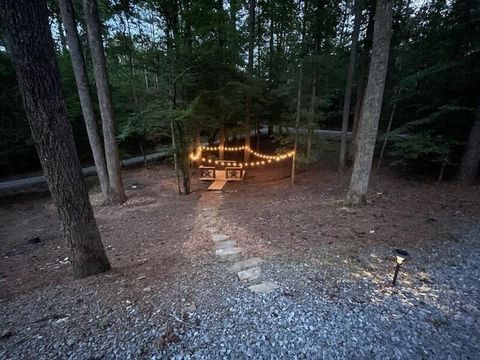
161, 251
146, 236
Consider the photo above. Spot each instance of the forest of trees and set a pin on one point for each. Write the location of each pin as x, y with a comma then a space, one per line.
139, 75
225, 64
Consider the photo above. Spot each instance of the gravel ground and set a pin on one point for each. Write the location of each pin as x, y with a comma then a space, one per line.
433, 313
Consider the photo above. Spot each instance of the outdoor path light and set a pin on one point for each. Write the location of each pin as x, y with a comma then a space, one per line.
400, 257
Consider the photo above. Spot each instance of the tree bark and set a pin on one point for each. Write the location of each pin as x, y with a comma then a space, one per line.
130, 59
179, 144
251, 44
297, 125
356, 120
389, 126
348, 88
31, 45
233, 29
116, 193
83, 88
145, 75
471, 158
368, 127
363, 74
311, 116
61, 34
221, 144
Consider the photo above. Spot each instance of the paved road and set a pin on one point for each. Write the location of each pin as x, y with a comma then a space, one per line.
87, 171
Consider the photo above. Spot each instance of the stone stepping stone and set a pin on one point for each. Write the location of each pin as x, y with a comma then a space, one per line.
225, 244
249, 274
219, 237
245, 264
228, 252
263, 288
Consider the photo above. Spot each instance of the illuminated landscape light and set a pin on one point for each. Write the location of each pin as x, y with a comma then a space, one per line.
400, 257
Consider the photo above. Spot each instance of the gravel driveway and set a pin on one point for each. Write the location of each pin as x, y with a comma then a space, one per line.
433, 313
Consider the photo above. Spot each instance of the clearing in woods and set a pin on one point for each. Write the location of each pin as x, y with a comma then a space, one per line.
186, 270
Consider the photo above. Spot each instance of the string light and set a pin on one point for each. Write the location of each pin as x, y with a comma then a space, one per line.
197, 154
276, 157
265, 159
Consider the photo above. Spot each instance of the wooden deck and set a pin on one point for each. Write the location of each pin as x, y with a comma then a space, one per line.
220, 177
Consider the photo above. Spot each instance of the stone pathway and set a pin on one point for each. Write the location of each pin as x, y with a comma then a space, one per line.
247, 270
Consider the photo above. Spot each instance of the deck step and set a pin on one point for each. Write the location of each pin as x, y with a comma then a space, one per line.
217, 185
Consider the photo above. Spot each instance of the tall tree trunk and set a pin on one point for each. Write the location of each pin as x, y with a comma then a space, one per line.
81, 78
471, 158
368, 127
221, 33
221, 145
311, 117
233, 28
356, 120
362, 78
188, 31
271, 51
183, 154
297, 125
257, 147
145, 75
299, 94
31, 45
348, 89
259, 41
116, 193
179, 143
251, 44
61, 33
389, 126
128, 34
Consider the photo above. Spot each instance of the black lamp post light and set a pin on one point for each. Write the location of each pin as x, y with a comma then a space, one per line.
400, 257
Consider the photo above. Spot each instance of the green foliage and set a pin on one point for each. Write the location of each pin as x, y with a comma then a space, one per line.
16, 146
424, 139
184, 63
438, 74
